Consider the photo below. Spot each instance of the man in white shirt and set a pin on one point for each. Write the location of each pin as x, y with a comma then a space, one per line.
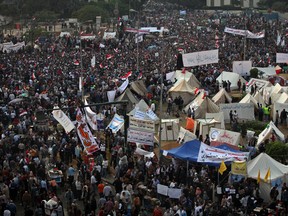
93, 182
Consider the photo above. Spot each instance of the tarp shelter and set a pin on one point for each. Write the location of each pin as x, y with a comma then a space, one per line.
261, 164
143, 107
265, 134
232, 77
204, 125
185, 136
128, 95
222, 97
183, 89
265, 72
202, 105
139, 88
189, 151
188, 76
170, 129
249, 99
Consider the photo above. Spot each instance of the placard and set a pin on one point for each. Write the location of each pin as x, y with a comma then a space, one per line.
200, 58
144, 137
142, 124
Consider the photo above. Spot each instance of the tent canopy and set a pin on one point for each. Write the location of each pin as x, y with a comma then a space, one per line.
141, 106
263, 162
189, 151
249, 99
128, 95
188, 76
221, 97
183, 89
232, 77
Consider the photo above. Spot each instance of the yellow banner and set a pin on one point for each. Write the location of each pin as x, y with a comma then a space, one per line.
239, 168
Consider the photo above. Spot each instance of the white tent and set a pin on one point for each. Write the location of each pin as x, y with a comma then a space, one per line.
188, 76
259, 83
279, 107
142, 107
222, 97
128, 95
218, 117
283, 98
265, 72
202, 105
232, 77
249, 99
183, 89
204, 125
265, 134
185, 136
261, 164
170, 129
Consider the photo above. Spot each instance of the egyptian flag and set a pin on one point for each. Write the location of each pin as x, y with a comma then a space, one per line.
23, 112
128, 74
76, 62
183, 70
140, 75
109, 56
33, 77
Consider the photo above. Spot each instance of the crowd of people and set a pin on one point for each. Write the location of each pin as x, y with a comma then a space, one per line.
34, 80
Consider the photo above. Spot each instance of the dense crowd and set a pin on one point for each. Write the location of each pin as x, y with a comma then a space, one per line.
34, 80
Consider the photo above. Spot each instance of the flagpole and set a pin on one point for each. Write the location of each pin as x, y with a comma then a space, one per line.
138, 26
81, 65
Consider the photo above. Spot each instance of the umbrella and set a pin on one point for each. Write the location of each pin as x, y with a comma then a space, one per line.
16, 100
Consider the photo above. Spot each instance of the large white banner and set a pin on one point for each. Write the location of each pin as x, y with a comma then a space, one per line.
218, 136
141, 124
174, 193
200, 58
245, 111
246, 33
116, 123
109, 35
282, 58
242, 67
143, 137
13, 47
208, 154
86, 137
162, 189
63, 119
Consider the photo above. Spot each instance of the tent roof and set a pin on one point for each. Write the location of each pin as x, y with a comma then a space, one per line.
220, 94
263, 162
232, 77
127, 94
139, 87
189, 151
181, 86
268, 71
141, 106
249, 99
283, 98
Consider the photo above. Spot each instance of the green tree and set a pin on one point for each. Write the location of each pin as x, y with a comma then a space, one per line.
46, 16
89, 12
277, 150
254, 73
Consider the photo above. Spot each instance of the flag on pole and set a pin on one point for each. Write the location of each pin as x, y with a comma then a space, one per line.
268, 175
128, 74
109, 56
33, 76
76, 62
258, 177
222, 168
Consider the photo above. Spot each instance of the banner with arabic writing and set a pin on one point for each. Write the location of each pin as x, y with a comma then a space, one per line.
200, 58
246, 33
208, 154
87, 139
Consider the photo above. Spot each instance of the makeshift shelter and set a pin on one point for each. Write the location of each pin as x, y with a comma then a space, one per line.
139, 88
141, 106
249, 99
202, 105
279, 107
261, 164
183, 89
170, 129
185, 136
266, 133
189, 151
265, 72
188, 76
128, 95
222, 97
259, 83
232, 77
203, 125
